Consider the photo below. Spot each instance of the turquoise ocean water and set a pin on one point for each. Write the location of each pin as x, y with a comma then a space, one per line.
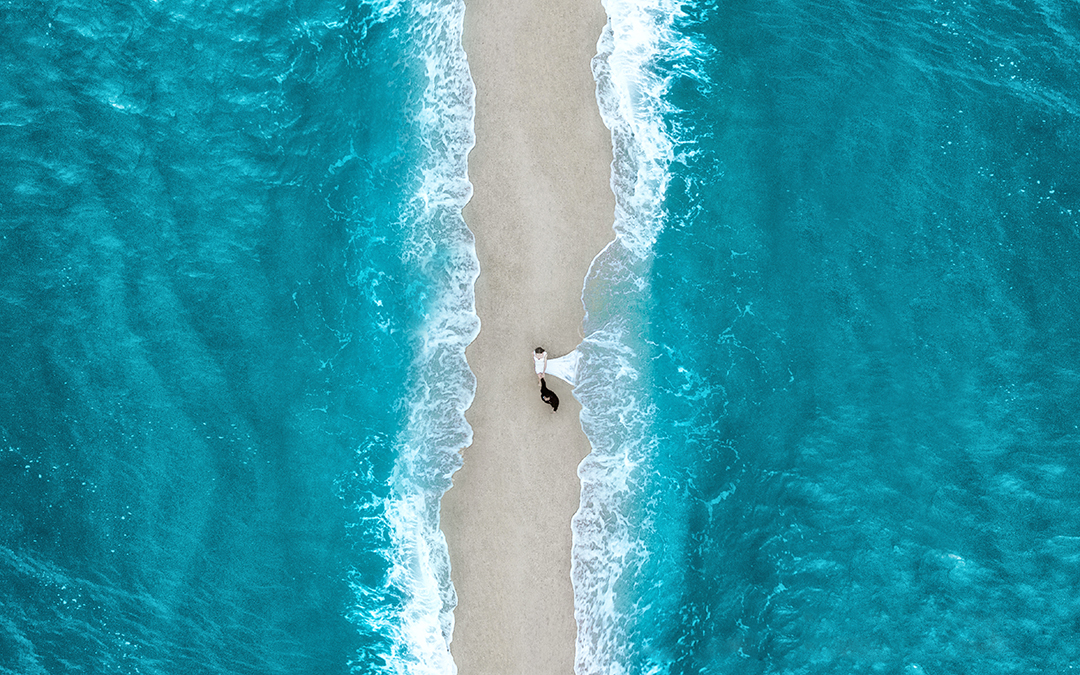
831, 378
235, 297
833, 381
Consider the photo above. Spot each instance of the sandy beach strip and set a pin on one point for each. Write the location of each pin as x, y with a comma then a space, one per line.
541, 210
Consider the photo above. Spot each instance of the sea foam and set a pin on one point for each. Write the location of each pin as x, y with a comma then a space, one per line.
417, 615
617, 405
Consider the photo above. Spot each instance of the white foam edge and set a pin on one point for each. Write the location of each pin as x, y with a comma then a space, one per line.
632, 105
442, 386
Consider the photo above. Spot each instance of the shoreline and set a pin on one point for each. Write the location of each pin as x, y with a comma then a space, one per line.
541, 210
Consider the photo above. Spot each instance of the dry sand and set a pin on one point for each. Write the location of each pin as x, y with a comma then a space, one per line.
541, 210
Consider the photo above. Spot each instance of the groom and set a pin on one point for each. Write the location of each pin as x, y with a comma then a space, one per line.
548, 396
540, 363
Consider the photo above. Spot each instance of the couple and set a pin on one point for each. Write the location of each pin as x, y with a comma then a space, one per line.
564, 367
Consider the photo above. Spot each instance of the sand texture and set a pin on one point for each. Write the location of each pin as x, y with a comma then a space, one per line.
541, 210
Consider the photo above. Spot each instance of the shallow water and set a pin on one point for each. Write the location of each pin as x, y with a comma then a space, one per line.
236, 295
832, 365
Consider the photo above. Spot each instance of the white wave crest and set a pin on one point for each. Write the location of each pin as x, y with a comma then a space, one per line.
442, 384
442, 249
633, 75
631, 92
617, 416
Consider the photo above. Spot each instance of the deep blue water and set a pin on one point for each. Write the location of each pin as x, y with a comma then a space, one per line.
235, 295
833, 360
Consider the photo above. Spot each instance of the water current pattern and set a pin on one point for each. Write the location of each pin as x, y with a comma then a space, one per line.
831, 373
833, 376
235, 298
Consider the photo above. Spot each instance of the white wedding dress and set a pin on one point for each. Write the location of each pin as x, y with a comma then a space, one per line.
565, 367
